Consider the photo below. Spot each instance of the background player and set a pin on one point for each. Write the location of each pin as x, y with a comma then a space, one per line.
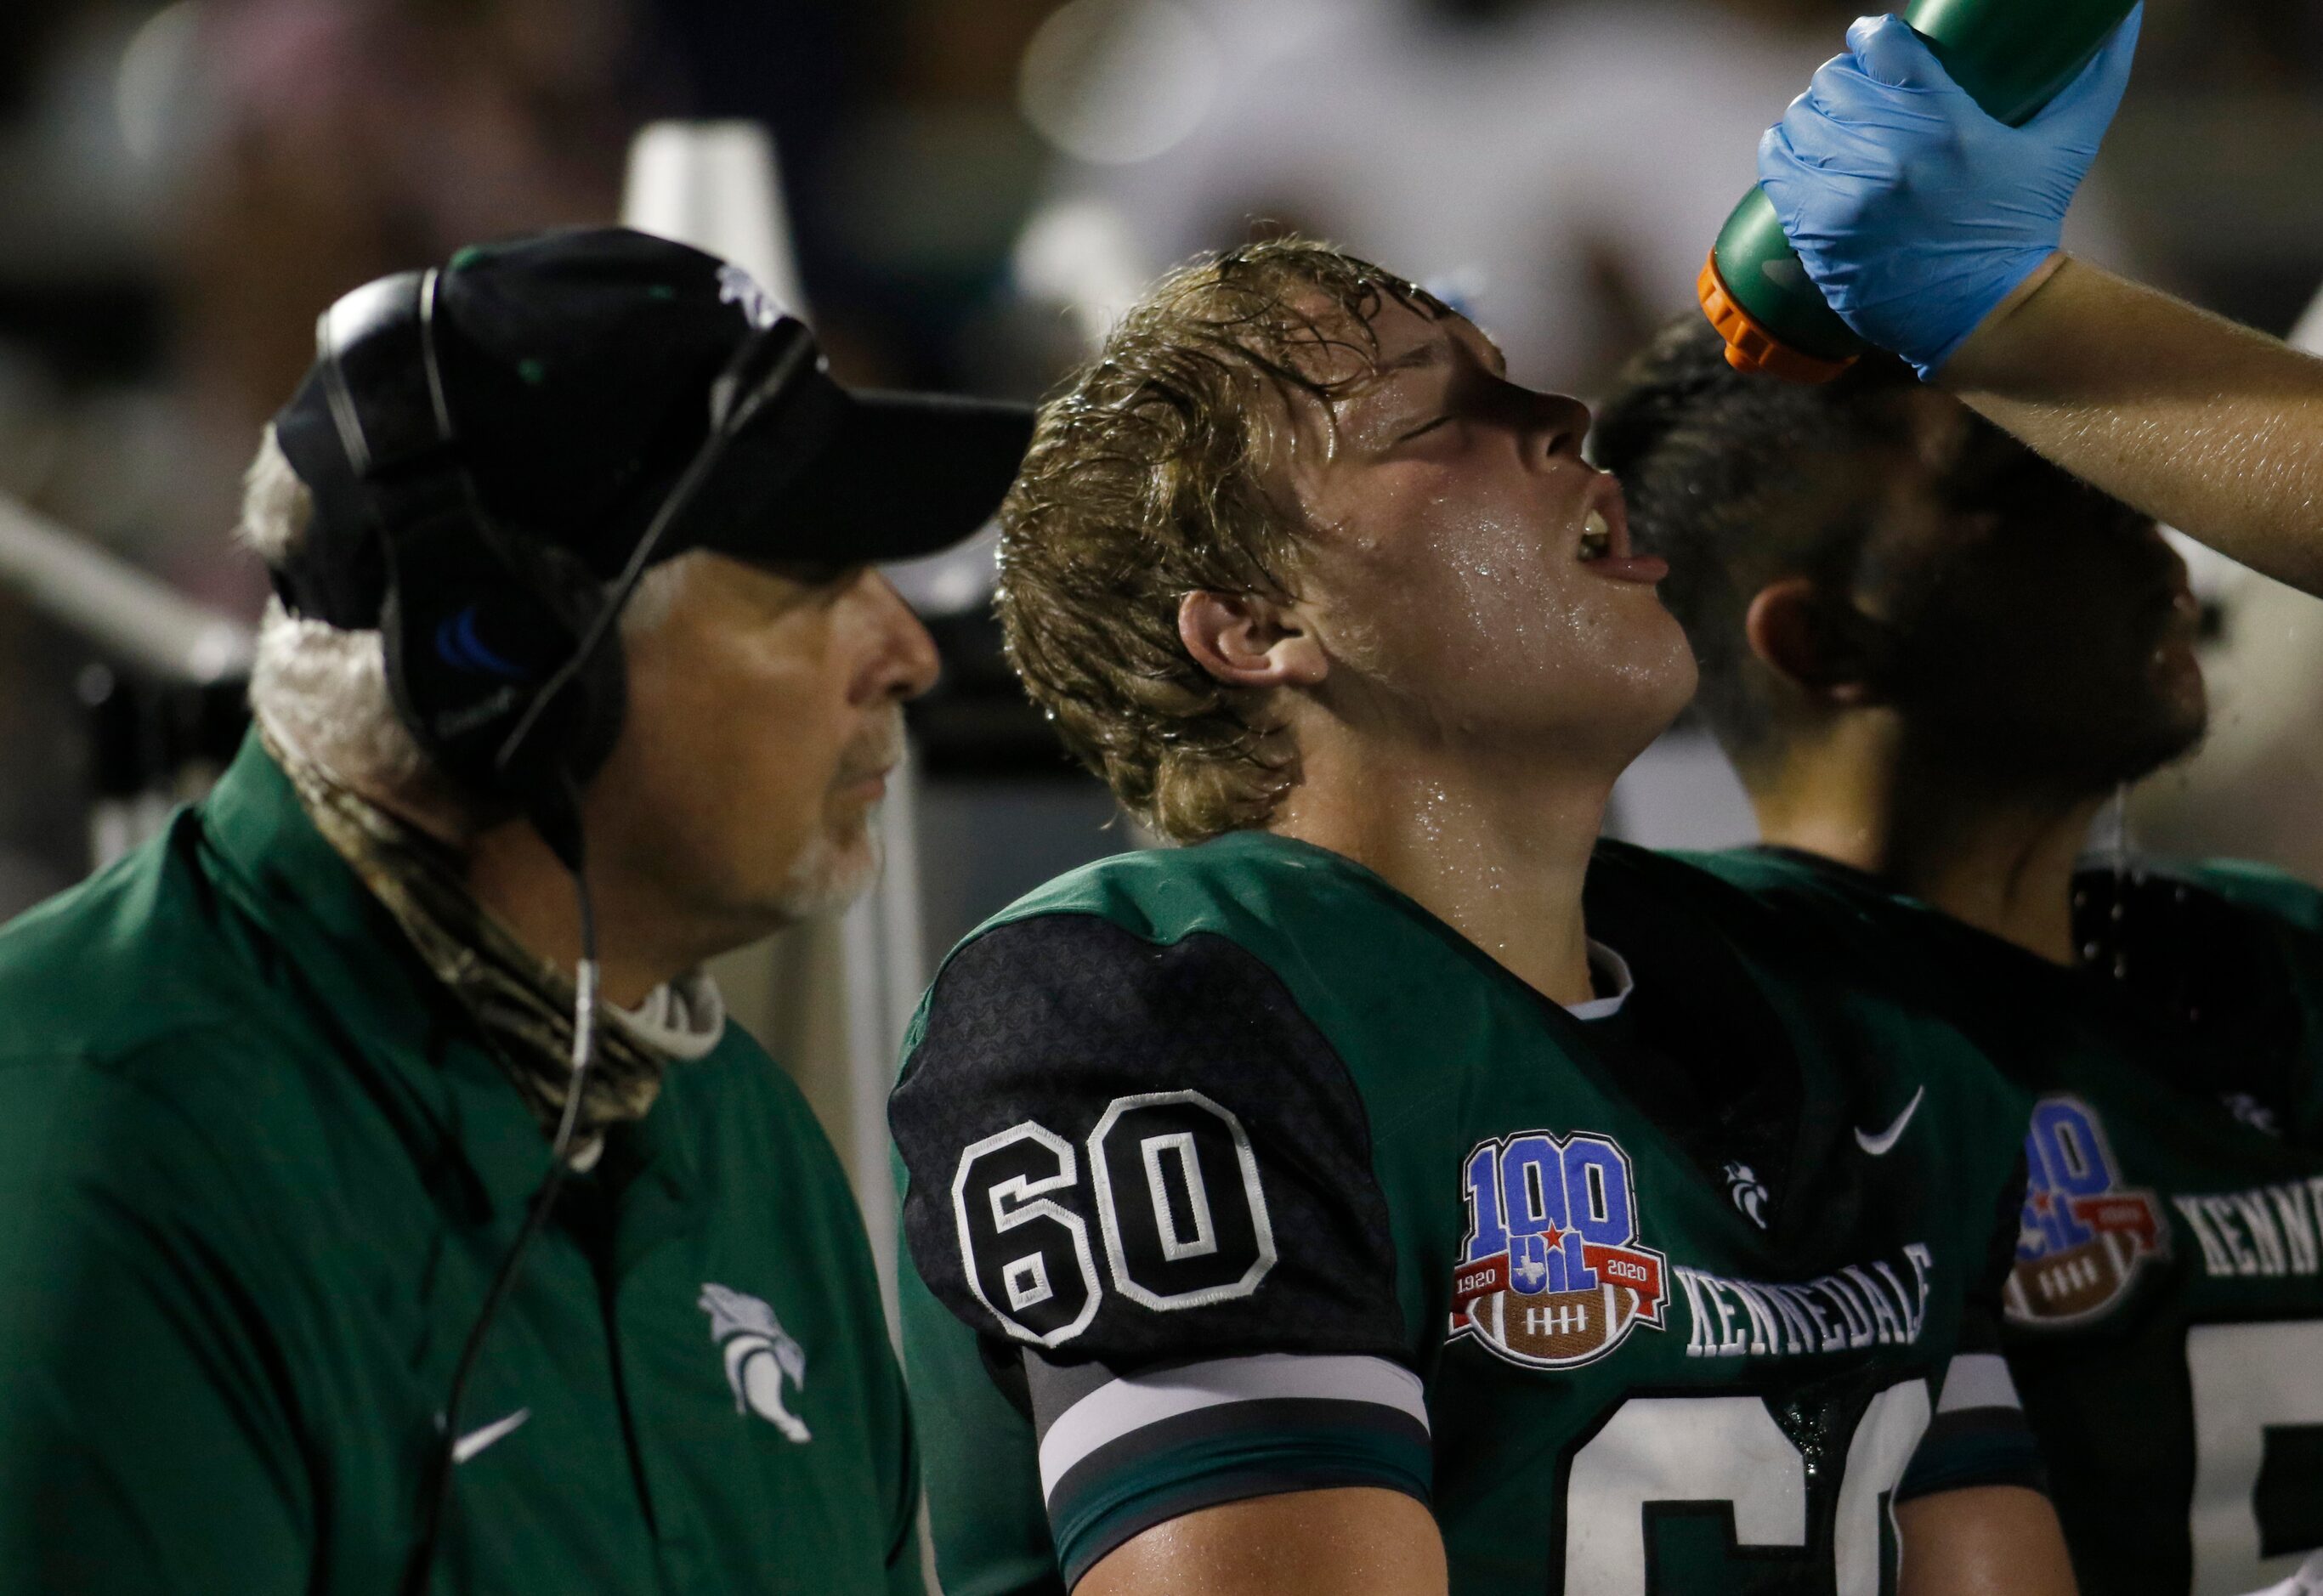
1296, 1184
280, 1088
1933, 657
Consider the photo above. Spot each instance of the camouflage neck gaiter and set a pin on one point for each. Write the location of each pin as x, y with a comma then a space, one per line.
522, 1004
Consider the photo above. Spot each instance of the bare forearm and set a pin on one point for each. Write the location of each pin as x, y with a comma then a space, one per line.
2209, 426
1991, 1540
1353, 1541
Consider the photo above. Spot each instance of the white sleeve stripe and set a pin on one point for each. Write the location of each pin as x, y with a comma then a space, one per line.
1119, 1406
1978, 1379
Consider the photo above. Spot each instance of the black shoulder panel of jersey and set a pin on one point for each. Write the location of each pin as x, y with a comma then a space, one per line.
2229, 951
1673, 876
2180, 941
2261, 888
1790, 915
1131, 1152
1849, 926
1637, 893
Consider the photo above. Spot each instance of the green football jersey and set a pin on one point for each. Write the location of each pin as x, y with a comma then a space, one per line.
1231, 1171
257, 1172
2164, 1317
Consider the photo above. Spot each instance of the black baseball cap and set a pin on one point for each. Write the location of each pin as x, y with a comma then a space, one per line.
570, 376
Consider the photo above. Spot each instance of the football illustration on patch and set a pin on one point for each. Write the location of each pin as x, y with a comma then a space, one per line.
2084, 1235
1551, 1274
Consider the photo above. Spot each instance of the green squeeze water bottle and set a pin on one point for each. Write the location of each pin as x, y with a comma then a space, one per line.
2011, 56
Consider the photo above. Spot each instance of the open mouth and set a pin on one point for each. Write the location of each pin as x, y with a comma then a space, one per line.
1596, 535
1604, 544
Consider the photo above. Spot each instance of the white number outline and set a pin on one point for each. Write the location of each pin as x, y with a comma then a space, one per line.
1029, 1204
1109, 1224
2253, 1372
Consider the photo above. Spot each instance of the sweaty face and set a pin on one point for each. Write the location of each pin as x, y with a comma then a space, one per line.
764, 711
1470, 575
2047, 630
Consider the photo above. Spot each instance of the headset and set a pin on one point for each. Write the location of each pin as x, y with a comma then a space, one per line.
503, 655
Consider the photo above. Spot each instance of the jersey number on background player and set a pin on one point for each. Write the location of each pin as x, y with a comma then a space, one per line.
1175, 1190
2257, 1450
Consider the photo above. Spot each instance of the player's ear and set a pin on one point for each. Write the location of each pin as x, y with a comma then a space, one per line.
1820, 644
1245, 640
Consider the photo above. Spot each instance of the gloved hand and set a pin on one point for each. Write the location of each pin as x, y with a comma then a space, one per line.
1913, 211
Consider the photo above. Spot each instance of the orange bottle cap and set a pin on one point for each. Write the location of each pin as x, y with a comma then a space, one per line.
1751, 348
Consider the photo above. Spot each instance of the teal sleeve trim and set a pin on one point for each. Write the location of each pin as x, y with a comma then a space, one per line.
1103, 1503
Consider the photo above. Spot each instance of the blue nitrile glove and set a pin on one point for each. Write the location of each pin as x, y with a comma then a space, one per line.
1914, 212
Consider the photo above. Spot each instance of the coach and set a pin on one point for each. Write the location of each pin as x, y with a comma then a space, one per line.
573, 543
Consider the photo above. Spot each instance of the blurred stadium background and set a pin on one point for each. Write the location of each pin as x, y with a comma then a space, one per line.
966, 188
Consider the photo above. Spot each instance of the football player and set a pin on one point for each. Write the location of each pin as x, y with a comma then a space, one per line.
1935, 657
1325, 1206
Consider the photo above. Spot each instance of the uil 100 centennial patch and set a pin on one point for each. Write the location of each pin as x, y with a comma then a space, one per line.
1551, 1274
2085, 1236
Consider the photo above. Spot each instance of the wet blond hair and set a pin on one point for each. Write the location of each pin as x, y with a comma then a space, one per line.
1146, 482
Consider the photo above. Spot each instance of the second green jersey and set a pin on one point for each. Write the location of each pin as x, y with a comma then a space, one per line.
2164, 1315
1232, 1172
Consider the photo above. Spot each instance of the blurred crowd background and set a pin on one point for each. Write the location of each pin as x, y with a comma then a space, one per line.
970, 185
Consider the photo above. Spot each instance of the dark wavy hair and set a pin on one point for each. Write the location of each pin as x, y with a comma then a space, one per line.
1740, 481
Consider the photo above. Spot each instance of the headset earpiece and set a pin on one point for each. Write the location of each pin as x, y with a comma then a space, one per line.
476, 620
503, 650
475, 623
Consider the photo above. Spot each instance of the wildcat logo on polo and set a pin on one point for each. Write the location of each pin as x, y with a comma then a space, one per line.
2084, 1236
1552, 1273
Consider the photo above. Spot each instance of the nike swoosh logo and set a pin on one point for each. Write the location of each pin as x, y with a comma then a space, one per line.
476, 1440
1877, 1146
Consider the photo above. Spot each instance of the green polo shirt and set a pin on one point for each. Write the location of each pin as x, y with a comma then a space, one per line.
256, 1171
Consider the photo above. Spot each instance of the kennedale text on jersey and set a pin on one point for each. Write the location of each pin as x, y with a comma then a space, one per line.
1860, 1305
2268, 1230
